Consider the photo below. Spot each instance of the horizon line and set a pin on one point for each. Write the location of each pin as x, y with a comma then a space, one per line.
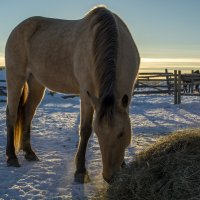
146, 60
170, 60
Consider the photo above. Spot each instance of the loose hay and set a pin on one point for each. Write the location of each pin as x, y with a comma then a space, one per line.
168, 170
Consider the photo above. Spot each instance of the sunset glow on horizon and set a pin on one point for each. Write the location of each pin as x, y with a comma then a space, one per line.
159, 64
2, 61
156, 62
174, 60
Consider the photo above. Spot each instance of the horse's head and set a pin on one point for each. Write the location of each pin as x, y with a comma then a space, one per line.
114, 134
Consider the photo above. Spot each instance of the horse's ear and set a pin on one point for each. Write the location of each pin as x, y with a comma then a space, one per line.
94, 100
124, 101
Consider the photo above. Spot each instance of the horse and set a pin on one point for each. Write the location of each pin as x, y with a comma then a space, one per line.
197, 85
189, 82
95, 57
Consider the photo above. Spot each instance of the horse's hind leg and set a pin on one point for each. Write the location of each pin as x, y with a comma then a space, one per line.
14, 90
85, 132
36, 91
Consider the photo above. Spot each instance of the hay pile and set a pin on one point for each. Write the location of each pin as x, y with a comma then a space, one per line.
168, 170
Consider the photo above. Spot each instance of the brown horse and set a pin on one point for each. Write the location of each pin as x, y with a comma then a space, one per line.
95, 57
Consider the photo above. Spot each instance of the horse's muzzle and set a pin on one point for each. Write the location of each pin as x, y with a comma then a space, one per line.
109, 181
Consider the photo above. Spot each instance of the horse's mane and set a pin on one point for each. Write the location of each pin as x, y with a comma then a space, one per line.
105, 47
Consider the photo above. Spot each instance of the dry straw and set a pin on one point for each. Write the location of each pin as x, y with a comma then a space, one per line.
168, 170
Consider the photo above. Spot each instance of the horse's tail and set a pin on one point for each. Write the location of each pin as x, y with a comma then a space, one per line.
19, 125
105, 48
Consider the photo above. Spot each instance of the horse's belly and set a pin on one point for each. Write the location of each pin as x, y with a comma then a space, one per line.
58, 82
62, 87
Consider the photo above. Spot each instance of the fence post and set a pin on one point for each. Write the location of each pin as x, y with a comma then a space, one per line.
179, 88
192, 84
168, 81
175, 86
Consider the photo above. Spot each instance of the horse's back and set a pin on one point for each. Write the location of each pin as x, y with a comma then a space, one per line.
46, 46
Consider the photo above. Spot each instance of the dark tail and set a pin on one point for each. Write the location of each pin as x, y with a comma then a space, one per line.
19, 126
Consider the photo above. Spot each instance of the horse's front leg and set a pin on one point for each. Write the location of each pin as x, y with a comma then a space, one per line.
81, 174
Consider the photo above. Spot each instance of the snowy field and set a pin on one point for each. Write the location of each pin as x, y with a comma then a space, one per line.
55, 139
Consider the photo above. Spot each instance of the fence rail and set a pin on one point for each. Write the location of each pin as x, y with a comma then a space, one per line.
158, 82
174, 83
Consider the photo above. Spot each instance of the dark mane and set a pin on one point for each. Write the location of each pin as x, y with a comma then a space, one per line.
105, 47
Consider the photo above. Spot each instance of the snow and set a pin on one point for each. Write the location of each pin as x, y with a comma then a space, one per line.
55, 139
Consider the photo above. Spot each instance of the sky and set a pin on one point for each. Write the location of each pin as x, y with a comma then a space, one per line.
161, 29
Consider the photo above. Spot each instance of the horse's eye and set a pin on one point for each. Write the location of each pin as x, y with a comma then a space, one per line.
120, 135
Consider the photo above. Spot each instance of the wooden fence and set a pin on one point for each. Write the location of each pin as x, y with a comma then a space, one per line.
154, 83
185, 84
3, 93
175, 83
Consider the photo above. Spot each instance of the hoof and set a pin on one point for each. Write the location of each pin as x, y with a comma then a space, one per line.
13, 163
81, 177
31, 157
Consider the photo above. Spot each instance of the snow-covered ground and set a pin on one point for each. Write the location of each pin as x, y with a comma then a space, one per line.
55, 139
